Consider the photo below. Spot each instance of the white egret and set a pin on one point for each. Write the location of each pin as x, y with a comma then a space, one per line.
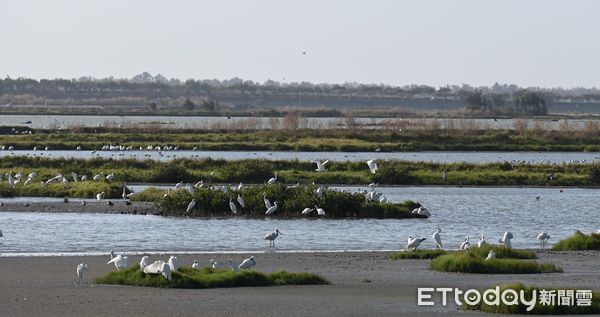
233, 266
413, 243
178, 185
166, 271
65, 182
159, 267
320, 165
99, 196
491, 255
466, 245
320, 211
240, 187
110, 177
80, 269
84, 178
28, 182
167, 193
199, 184
144, 262
247, 263
543, 239
267, 201
272, 180
383, 200
214, 264
272, 236
481, 243
240, 200
173, 263
438, 239
195, 265
505, 240
232, 206
271, 209
319, 192
98, 176
422, 211
307, 211
190, 189
120, 262
372, 166
191, 205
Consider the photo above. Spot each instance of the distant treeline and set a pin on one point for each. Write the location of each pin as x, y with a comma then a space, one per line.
159, 93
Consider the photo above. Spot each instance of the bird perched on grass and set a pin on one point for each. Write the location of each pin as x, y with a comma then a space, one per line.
491, 255
120, 262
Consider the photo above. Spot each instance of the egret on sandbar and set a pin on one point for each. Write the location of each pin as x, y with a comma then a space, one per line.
413, 243
80, 269
438, 239
247, 263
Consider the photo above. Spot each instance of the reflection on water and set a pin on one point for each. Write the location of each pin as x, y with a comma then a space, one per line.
458, 211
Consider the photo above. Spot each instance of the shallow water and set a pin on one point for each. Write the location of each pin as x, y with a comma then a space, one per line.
458, 211
438, 157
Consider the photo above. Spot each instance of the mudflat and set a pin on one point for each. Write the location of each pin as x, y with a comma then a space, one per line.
363, 284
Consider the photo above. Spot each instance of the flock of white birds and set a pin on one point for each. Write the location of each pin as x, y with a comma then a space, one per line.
160, 267
413, 242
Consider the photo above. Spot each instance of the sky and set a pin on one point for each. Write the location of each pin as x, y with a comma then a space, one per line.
543, 43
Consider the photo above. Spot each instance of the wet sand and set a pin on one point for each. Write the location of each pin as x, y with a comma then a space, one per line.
47, 286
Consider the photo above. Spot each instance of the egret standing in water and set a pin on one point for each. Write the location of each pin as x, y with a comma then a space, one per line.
543, 239
247, 263
272, 236
80, 269
320, 211
191, 206
438, 239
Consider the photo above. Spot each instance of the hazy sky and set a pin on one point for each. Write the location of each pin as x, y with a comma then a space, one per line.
479, 42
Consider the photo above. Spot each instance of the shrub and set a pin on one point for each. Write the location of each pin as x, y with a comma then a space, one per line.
419, 254
169, 173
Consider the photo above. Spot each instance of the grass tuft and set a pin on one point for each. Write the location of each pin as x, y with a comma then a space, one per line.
467, 262
209, 278
579, 241
419, 254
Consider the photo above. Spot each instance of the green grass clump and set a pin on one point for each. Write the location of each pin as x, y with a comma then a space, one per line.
538, 309
466, 262
87, 189
209, 278
419, 254
503, 252
579, 241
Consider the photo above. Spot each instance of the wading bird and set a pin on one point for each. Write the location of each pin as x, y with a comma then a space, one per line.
191, 205
120, 262
145, 261
505, 240
466, 245
247, 263
272, 180
240, 200
438, 239
195, 265
100, 195
320, 165
80, 269
213, 264
543, 239
173, 263
272, 236
372, 166
481, 243
491, 255
413, 243
307, 211
159, 267
271, 209
320, 211
232, 206
267, 201
319, 192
